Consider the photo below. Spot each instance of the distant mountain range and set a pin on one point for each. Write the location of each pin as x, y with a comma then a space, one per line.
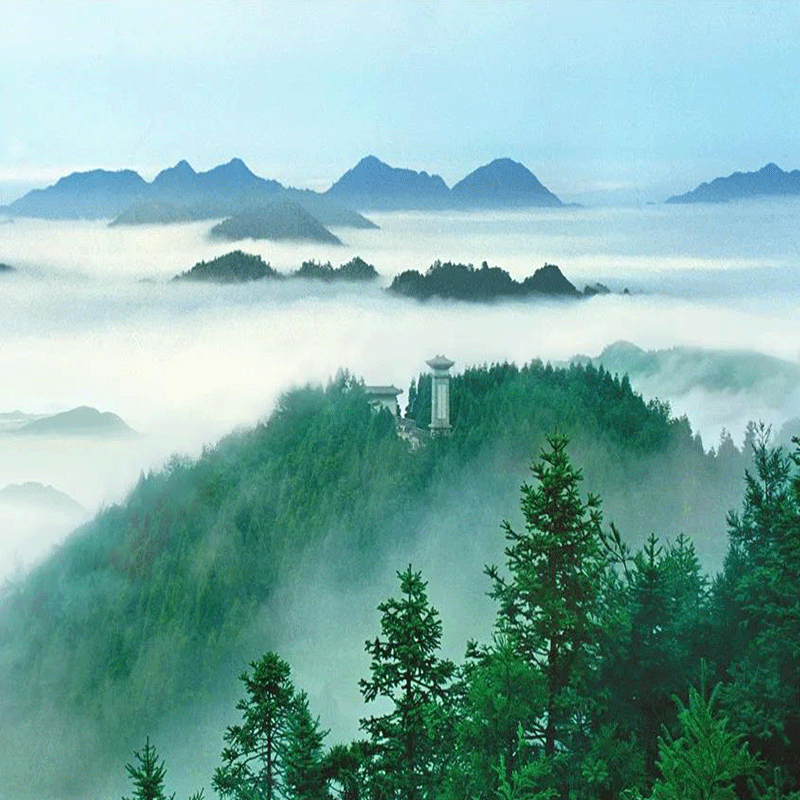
180, 194
176, 194
374, 185
81, 421
769, 181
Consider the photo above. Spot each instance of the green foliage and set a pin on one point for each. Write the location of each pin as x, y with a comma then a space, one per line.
549, 605
525, 783
354, 270
346, 769
305, 777
405, 669
502, 697
147, 775
464, 282
254, 761
234, 267
757, 603
153, 604
357, 270
706, 761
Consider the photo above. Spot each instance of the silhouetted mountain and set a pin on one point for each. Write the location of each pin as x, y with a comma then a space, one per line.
235, 267
180, 179
279, 221
6, 268
81, 421
83, 195
39, 496
502, 184
372, 184
180, 194
464, 282
176, 194
770, 180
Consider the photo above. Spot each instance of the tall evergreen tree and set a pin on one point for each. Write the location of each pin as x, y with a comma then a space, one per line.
253, 762
758, 610
549, 604
405, 669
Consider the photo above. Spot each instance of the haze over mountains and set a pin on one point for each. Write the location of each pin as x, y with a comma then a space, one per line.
180, 194
80, 421
770, 180
503, 183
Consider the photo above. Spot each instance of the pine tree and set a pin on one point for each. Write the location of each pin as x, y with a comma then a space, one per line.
406, 670
758, 610
148, 775
253, 763
549, 605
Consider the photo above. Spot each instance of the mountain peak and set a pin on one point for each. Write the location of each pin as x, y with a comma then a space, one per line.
503, 182
184, 166
177, 177
374, 184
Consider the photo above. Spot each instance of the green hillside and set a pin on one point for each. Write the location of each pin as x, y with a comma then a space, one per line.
148, 608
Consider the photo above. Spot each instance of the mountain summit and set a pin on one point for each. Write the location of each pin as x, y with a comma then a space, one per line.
373, 184
502, 183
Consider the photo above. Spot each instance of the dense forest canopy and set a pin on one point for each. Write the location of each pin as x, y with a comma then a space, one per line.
464, 282
237, 267
609, 674
156, 603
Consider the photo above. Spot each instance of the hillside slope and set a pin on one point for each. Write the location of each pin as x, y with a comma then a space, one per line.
147, 610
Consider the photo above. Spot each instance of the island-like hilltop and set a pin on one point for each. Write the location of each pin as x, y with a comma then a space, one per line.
464, 282
769, 181
277, 221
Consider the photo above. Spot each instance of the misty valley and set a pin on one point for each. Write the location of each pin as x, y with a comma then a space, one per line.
569, 589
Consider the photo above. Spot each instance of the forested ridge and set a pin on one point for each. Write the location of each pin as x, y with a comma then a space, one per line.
149, 607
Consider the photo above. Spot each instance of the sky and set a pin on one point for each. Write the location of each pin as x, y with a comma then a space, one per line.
601, 100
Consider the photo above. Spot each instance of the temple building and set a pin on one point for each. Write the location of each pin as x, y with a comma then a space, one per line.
384, 397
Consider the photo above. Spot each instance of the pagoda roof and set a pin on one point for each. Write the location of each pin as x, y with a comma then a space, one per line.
388, 391
440, 362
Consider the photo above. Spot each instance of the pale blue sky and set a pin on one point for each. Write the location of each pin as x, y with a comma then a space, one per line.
632, 100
